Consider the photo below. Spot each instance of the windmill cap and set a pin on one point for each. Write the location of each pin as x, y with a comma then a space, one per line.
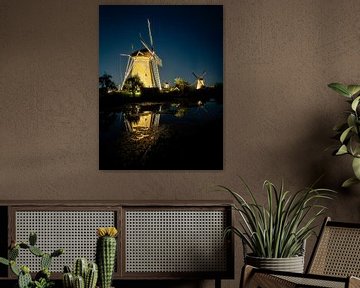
142, 52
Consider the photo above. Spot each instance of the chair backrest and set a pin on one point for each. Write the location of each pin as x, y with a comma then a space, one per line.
337, 251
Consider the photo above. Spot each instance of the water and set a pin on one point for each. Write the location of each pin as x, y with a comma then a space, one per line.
162, 135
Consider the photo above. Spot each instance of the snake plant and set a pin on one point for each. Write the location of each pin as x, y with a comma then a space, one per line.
279, 228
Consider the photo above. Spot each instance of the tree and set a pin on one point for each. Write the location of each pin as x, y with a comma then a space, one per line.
105, 83
181, 84
133, 84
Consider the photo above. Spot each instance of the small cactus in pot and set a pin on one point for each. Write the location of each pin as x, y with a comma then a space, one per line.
85, 275
106, 254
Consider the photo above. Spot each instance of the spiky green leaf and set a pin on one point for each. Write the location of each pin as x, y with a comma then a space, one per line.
280, 228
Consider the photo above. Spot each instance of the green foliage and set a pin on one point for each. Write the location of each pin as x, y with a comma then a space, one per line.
133, 84
42, 278
348, 132
279, 229
42, 283
181, 84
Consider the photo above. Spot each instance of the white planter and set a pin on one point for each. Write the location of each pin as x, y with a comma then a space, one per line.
291, 264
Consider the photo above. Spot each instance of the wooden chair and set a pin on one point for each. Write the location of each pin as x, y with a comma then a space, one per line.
335, 262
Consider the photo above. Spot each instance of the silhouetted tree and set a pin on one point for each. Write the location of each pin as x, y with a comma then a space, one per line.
105, 83
133, 84
181, 84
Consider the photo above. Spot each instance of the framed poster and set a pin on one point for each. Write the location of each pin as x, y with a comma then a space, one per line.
161, 87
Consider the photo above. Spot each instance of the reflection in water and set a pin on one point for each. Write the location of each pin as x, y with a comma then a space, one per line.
140, 123
162, 136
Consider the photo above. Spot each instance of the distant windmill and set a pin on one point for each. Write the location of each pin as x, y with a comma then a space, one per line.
200, 81
144, 63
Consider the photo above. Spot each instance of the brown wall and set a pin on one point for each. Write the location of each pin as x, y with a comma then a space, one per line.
279, 57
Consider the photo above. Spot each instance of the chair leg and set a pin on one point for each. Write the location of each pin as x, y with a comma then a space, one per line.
217, 283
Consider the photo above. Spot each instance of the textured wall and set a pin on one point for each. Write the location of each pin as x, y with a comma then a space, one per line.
279, 57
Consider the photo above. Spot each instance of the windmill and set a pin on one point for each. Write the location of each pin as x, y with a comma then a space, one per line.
200, 81
144, 63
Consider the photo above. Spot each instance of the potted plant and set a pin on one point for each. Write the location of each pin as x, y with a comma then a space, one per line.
348, 132
275, 233
42, 278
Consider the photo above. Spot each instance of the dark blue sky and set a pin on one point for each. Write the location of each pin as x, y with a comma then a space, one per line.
188, 38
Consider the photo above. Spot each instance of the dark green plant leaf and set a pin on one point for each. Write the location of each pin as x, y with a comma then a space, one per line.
353, 89
355, 103
4, 261
14, 268
349, 182
342, 150
345, 134
356, 167
340, 88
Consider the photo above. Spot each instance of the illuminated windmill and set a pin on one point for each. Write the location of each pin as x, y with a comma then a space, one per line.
144, 63
200, 81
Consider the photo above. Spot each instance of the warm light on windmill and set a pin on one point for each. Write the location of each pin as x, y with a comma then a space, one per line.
200, 81
145, 64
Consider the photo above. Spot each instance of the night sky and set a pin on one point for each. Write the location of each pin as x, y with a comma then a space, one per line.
188, 38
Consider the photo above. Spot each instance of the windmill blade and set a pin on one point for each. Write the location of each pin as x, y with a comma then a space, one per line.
203, 74
195, 75
126, 55
158, 60
150, 35
146, 46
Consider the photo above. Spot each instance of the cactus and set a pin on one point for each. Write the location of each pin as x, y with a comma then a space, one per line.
13, 253
14, 268
42, 278
80, 267
45, 261
57, 252
91, 276
36, 251
89, 272
106, 254
68, 280
79, 282
32, 238
24, 277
